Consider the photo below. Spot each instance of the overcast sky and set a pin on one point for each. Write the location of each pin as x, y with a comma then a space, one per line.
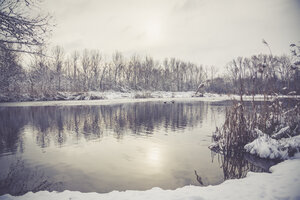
209, 32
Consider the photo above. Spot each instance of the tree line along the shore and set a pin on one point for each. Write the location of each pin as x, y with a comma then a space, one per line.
89, 71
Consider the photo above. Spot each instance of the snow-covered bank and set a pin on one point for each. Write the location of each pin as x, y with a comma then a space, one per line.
95, 95
267, 147
282, 183
119, 97
108, 101
112, 97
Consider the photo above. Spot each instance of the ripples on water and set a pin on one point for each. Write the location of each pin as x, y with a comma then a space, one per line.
113, 147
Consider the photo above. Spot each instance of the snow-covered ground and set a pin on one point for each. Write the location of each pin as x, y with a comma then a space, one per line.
282, 183
112, 97
266, 147
106, 95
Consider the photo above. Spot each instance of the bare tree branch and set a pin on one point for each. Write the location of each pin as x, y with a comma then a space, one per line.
21, 30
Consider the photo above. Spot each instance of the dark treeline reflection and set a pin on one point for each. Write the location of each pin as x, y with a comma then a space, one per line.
72, 123
11, 124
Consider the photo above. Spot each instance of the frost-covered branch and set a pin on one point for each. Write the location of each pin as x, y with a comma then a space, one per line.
21, 30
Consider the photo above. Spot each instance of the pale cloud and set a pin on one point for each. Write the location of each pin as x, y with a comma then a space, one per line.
211, 32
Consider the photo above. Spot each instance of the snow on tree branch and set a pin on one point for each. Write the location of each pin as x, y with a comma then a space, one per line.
20, 29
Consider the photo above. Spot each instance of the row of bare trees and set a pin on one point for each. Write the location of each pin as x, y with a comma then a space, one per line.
89, 70
259, 74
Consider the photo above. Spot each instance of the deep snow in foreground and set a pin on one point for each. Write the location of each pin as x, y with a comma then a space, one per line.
282, 183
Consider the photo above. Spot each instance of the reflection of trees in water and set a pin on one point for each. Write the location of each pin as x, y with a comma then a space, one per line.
20, 180
11, 124
236, 165
59, 124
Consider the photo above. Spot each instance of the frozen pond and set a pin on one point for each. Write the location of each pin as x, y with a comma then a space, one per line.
101, 148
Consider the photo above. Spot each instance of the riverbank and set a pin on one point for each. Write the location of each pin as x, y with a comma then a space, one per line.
281, 183
112, 97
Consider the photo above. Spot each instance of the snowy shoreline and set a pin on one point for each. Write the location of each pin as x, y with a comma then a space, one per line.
111, 97
281, 183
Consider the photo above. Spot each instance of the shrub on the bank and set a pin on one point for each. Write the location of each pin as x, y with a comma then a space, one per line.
243, 125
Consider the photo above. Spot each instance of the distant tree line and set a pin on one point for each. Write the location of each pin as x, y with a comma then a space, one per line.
259, 74
88, 71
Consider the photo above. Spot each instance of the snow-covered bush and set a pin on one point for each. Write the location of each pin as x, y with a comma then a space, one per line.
277, 121
266, 147
268, 131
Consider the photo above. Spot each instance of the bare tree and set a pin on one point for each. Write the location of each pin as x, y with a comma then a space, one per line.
75, 57
58, 53
295, 50
86, 66
96, 58
285, 71
21, 31
40, 75
118, 61
11, 73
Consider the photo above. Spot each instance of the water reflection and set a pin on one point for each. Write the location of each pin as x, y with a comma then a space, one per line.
11, 124
59, 124
20, 179
88, 148
236, 165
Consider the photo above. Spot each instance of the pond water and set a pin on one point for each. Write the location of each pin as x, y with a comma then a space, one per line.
101, 148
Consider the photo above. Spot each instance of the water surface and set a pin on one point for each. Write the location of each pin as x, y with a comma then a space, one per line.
101, 148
